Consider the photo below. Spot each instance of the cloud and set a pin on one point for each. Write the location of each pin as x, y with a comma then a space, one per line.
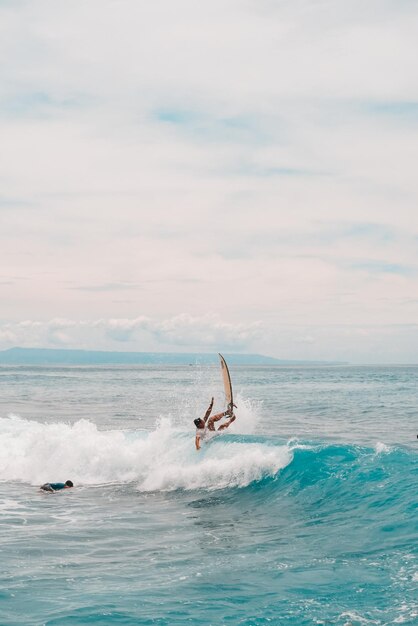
121, 286
7, 338
184, 331
122, 329
180, 332
382, 267
209, 330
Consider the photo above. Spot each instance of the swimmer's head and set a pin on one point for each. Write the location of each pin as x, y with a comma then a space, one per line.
199, 423
69, 483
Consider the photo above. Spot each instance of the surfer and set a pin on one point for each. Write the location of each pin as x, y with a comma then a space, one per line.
206, 423
52, 487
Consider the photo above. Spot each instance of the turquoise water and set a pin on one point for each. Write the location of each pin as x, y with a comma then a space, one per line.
304, 512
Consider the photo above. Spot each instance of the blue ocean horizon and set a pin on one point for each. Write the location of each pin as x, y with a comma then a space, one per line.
303, 512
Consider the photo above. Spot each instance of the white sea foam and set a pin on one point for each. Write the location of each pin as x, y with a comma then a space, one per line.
163, 459
354, 619
381, 448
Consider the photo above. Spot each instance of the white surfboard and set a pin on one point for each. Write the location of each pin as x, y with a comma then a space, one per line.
227, 382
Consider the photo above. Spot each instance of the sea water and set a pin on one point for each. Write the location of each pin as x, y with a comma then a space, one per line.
303, 512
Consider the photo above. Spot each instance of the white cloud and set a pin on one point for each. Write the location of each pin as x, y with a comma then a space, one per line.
180, 332
122, 329
209, 330
7, 338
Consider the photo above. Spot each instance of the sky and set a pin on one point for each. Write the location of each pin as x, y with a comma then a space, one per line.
232, 175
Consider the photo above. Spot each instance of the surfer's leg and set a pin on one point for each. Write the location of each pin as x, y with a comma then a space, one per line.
215, 418
47, 487
228, 423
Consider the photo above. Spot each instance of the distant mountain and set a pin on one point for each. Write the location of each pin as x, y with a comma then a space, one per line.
47, 356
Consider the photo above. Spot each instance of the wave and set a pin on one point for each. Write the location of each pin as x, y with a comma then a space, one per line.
161, 460
165, 459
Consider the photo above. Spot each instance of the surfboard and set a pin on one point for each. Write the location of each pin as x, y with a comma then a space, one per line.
227, 382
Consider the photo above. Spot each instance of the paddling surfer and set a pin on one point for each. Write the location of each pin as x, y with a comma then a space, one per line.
206, 424
52, 487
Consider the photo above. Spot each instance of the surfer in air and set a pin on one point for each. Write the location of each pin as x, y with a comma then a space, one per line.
205, 425
52, 487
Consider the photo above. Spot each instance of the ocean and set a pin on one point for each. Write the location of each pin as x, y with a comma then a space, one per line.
303, 512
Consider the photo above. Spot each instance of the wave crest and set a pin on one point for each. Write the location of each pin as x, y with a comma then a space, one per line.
164, 459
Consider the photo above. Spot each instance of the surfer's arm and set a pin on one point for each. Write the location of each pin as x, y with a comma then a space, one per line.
209, 411
197, 442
